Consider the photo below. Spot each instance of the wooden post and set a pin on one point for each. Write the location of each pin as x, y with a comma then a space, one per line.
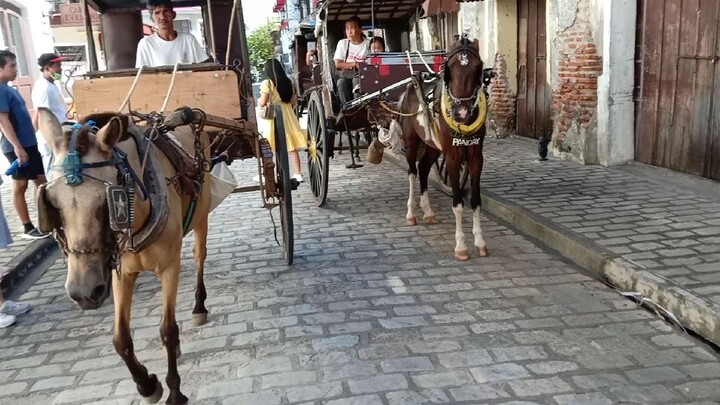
245, 60
89, 35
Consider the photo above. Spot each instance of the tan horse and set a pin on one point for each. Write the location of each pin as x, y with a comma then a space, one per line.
80, 215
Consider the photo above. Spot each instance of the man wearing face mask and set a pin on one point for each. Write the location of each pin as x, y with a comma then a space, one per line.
46, 94
167, 46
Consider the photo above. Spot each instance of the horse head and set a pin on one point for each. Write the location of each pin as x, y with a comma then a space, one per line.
463, 77
74, 202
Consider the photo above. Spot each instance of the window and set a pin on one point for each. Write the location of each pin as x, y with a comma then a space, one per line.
183, 26
11, 37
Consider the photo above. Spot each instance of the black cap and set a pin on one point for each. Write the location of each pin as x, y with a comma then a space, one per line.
49, 58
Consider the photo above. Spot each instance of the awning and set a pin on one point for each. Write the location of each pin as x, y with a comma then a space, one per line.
435, 7
279, 5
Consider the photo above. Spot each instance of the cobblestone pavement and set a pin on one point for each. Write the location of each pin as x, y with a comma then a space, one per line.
373, 312
671, 229
16, 228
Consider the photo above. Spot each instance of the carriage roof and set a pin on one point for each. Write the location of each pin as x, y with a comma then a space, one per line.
104, 5
340, 10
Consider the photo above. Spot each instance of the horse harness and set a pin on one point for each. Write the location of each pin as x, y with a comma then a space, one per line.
121, 196
464, 135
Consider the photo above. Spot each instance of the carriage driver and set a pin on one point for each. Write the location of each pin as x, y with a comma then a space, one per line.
348, 53
167, 46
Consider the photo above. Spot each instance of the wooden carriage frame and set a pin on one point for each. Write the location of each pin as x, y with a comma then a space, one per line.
220, 92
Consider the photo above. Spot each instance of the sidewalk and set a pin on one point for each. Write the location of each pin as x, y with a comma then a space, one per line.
23, 253
644, 230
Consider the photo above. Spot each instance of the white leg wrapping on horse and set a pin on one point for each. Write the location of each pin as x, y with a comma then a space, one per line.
410, 217
477, 230
425, 205
459, 235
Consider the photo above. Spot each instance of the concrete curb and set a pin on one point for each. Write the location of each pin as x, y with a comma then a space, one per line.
694, 313
23, 262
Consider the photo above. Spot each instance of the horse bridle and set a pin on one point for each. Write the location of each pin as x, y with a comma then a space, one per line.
464, 61
120, 196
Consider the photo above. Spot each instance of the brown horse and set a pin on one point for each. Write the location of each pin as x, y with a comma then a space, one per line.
453, 126
93, 167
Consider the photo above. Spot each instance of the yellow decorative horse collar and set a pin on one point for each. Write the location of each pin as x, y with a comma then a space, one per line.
462, 129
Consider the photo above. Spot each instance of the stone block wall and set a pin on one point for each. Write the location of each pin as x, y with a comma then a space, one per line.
575, 98
503, 100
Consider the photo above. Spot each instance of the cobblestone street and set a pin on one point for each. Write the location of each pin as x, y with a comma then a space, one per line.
372, 312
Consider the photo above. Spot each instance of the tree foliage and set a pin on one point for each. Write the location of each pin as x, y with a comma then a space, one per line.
260, 45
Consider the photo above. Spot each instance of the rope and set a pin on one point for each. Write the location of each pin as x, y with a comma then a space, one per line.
230, 29
170, 88
383, 105
132, 89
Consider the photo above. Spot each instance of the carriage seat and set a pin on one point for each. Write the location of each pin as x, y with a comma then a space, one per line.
384, 69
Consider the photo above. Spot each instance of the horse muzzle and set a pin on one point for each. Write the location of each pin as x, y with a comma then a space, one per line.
89, 288
462, 113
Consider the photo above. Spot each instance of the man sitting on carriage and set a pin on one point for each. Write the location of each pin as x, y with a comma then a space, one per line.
348, 53
167, 46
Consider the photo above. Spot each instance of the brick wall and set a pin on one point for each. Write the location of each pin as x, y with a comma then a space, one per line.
575, 96
502, 100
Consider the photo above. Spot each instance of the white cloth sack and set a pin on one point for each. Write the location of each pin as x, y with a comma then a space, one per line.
223, 184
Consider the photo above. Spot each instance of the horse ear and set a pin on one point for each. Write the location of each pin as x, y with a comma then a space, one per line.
49, 127
475, 44
110, 134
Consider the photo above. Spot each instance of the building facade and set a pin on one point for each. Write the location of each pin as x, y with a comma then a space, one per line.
611, 81
25, 31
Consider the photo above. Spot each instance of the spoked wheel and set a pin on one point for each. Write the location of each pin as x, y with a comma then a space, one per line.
319, 148
439, 173
284, 187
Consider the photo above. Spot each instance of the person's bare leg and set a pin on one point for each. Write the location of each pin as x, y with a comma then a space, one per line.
295, 158
19, 189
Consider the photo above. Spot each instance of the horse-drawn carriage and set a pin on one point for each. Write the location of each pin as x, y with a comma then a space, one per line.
429, 105
382, 77
133, 176
219, 91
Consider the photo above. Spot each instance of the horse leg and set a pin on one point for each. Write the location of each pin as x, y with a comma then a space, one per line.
411, 157
200, 252
475, 203
453, 169
169, 331
477, 215
148, 386
431, 155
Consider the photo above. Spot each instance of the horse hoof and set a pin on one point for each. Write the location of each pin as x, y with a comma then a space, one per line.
411, 221
483, 252
155, 397
432, 219
199, 319
176, 398
461, 254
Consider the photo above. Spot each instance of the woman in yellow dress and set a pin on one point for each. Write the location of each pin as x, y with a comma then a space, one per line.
280, 88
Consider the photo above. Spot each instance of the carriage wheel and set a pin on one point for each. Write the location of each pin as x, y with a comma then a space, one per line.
439, 173
284, 187
319, 148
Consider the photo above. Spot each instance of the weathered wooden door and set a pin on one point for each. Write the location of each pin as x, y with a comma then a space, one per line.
534, 96
678, 85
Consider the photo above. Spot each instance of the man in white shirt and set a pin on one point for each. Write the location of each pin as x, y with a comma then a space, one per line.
167, 46
46, 94
348, 53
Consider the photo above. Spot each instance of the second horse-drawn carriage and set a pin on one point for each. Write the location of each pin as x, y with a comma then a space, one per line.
382, 78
